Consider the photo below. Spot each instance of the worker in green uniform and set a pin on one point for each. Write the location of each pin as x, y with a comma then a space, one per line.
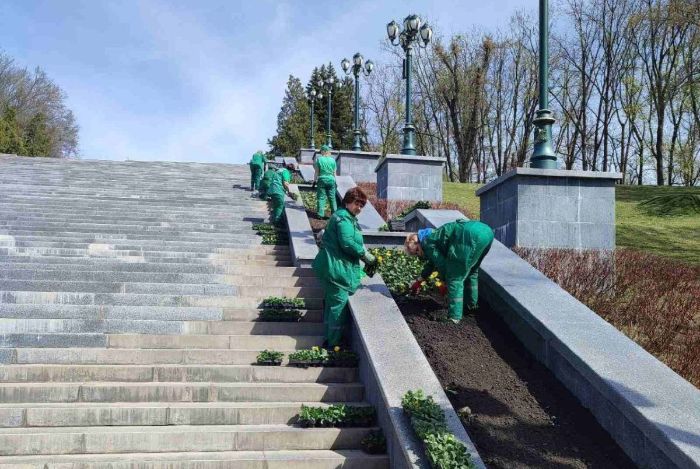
337, 264
278, 188
257, 166
324, 179
455, 250
265, 182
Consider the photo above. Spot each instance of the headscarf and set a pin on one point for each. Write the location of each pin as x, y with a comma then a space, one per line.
424, 233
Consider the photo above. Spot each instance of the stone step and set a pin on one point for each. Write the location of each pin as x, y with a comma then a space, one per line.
298, 459
108, 276
116, 287
130, 326
154, 439
146, 313
230, 245
180, 392
40, 373
123, 265
140, 356
249, 297
205, 341
268, 459
155, 413
162, 236
107, 251
138, 262
199, 341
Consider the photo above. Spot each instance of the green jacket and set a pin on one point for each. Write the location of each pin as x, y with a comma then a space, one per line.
326, 166
452, 250
281, 176
342, 247
267, 176
258, 159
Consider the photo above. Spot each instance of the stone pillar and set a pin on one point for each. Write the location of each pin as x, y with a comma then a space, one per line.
551, 208
359, 165
306, 155
404, 177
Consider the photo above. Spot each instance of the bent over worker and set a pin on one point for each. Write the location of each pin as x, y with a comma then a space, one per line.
278, 188
257, 166
455, 250
337, 264
265, 182
324, 178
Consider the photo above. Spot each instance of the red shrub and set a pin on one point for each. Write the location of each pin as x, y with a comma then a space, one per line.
653, 300
390, 208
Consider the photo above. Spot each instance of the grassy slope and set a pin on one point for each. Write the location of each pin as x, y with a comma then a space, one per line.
677, 237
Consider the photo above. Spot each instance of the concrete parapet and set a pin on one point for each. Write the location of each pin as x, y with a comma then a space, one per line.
369, 218
306, 155
546, 208
403, 177
429, 218
359, 165
301, 237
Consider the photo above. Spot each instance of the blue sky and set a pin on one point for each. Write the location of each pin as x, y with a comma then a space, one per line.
202, 80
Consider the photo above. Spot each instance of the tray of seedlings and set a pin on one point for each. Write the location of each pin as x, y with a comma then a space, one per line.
269, 358
281, 309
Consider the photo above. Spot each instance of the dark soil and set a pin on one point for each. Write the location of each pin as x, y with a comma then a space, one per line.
317, 223
518, 415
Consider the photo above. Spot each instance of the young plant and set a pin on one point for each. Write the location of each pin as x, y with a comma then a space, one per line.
337, 415
277, 302
279, 315
342, 358
444, 451
374, 443
269, 358
315, 356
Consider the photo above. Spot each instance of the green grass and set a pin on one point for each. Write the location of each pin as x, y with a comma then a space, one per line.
638, 228
670, 236
462, 194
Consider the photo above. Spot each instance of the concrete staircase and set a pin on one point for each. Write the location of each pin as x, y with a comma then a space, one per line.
128, 299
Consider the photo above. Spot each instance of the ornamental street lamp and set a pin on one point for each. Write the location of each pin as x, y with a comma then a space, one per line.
328, 83
313, 95
355, 69
413, 33
543, 156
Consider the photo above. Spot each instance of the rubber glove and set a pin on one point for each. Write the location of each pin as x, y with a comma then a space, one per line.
369, 258
415, 288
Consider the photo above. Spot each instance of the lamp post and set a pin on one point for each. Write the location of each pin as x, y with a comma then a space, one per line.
543, 156
328, 83
312, 97
413, 33
357, 61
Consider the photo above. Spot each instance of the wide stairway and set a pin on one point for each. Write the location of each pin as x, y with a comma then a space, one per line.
128, 298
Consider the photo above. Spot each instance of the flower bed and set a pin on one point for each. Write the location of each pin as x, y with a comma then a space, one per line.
338, 415
399, 270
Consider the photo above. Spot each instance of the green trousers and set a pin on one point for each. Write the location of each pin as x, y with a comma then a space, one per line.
256, 173
325, 191
264, 186
471, 283
277, 201
335, 313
